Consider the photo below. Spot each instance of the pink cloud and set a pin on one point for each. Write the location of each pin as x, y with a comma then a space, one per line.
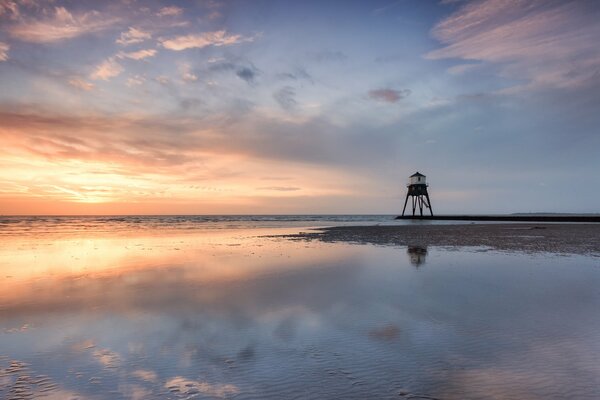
81, 84
4, 51
217, 38
138, 55
170, 11
9, 8
132, 36
388, 95
61, 25
107, 69
546, 44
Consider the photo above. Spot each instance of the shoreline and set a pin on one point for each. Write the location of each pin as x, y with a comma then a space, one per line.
580, 239
506, 218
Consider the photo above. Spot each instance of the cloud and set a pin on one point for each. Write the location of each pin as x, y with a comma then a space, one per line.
247, 74
544, 43
243, 69
187, 74
216, 38
138, 55
132, 36
389, 95
135, 80
10, 8
286, 97
4, 47
60, 26
107, 69
163, 80
280, 188
81, 84
170, 11
299, 73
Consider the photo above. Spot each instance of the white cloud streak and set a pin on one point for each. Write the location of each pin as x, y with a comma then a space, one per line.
216, 38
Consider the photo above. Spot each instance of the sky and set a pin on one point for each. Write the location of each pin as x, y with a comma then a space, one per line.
298, 107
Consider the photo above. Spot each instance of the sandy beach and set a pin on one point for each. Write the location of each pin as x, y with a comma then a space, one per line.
581, 239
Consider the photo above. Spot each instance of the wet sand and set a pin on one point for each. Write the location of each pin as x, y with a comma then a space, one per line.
117, 309
581, 239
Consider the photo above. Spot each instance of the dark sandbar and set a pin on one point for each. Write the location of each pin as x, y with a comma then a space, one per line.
583, 239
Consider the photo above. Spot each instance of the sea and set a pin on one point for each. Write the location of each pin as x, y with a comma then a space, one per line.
229, 307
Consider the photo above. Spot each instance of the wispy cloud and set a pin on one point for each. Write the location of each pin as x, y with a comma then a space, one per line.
138, 55
61, 25
247, 74
286, 97
280, 188
81, 84
216, 38
4, 47
545, 43
135, 80
109, 68
170, 11
187, 74
133, 36
10, 8
389, 95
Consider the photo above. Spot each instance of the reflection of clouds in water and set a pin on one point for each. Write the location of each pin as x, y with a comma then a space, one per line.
145, 375
18, 381
347, 315
23, 328
186, 387
530, 374
83, 345
386, 333
134, 392
107, 358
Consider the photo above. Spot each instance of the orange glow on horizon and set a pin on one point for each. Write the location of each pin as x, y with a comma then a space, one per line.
59, 179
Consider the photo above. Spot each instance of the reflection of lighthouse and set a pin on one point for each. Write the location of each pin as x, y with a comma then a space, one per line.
416, 255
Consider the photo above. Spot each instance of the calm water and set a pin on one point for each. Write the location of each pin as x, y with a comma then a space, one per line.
145, 308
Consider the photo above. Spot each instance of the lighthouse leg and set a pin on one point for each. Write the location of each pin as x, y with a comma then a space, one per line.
414, 204
405, 201
429, 203
421, 205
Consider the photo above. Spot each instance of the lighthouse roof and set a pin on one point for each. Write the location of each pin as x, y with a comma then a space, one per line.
417, 174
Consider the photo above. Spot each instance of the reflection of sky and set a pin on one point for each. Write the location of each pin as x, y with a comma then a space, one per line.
260, 317
228, 106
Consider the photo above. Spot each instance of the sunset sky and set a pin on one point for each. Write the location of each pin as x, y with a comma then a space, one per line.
278, 107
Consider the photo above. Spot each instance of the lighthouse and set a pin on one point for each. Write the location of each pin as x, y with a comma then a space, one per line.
417, 191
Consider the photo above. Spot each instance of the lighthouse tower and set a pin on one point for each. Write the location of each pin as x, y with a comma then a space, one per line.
417, 191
